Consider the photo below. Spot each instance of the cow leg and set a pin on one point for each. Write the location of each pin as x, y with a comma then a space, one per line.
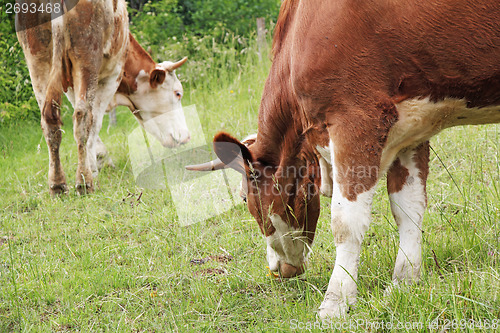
39, 66
84, 94
406, 181
351, 215
51, 127
98, 154
324, 158
326, 177
53, 135
102, 155
52, 132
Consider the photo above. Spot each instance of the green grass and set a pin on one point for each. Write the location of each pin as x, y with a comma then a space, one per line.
112, 261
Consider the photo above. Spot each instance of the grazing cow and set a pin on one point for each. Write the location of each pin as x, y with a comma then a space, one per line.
364, 84
89, 54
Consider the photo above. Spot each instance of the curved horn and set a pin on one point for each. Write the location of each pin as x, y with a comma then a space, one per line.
177, 64
208, 166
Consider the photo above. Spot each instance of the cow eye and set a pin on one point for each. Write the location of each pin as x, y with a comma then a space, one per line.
178, 94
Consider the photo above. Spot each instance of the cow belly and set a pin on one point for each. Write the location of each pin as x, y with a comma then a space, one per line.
420, 119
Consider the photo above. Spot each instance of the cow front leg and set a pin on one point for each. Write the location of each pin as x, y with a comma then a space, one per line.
351, 215
406, 181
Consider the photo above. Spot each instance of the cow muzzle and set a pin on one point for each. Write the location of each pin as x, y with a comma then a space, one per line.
177, 138
169, 129
287, 271
281, 268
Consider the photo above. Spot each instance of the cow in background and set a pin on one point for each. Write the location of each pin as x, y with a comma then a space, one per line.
364, 85
89, 54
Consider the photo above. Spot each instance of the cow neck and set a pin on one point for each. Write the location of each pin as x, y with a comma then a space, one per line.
137, 59
280, 125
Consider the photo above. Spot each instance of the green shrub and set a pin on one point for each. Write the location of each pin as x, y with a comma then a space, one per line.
238, 16
172, 18
166, 22
17, 101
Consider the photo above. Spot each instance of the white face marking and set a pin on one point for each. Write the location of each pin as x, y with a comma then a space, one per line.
161, 108
420, 119
286, 244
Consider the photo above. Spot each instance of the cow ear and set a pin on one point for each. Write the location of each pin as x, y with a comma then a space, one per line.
232, 153
157, 77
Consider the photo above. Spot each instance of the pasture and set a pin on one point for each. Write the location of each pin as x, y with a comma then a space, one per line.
120, 260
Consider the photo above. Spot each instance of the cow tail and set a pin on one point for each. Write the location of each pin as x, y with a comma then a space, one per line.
51, 111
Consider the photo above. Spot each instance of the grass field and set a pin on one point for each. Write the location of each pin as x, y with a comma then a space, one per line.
120, 260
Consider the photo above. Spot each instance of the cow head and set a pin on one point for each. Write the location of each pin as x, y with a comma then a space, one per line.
283, 198
156, 103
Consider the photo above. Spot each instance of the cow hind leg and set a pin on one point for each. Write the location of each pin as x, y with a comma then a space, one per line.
82, 122
326, 177
102, 155
407, 192
53, 135
49, 100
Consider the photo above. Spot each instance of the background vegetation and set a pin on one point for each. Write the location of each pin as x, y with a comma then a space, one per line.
170, 29
120, 261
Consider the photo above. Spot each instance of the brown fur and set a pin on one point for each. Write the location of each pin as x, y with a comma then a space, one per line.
396, 177
137, 59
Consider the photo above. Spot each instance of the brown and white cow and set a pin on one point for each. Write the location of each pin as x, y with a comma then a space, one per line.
89, 54
364, 84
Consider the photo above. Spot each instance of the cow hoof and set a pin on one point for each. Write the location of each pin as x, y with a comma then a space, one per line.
104, 161
83, 189
331, 309
58, 189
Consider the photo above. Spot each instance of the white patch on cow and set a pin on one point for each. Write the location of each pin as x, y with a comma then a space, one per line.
286, 244
350, 220
160, 109
408, 206
325, 165
420, 119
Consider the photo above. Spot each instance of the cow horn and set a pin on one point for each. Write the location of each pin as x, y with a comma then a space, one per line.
208, 166
177, 64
